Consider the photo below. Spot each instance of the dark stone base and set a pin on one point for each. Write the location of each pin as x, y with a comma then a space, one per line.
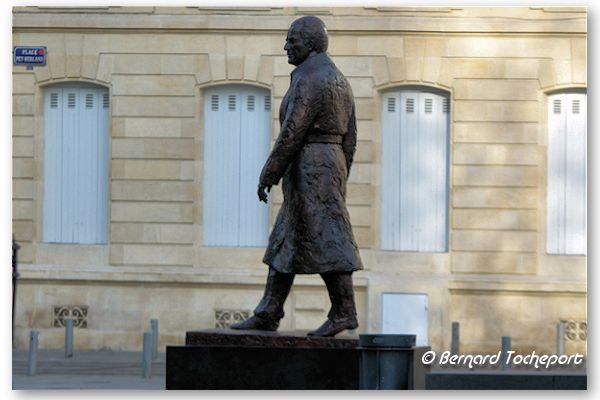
509, 380
228, 359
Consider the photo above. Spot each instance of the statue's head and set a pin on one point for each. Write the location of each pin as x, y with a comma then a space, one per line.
306, 36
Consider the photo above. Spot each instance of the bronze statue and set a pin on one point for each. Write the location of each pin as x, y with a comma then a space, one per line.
313, 154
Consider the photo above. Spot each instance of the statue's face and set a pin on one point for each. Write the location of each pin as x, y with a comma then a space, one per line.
297, 50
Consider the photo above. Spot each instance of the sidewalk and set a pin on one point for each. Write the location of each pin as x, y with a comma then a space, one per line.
87, 370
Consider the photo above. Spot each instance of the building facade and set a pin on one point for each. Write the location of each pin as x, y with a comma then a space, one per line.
137, 149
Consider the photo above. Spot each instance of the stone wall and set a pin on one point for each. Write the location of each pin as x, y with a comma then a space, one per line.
497, 64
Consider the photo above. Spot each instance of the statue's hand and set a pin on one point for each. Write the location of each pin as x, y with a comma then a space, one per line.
262, 195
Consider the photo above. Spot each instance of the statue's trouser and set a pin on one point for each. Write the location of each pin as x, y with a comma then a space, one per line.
339, 286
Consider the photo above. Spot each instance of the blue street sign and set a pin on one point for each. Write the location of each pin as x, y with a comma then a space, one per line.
29, 55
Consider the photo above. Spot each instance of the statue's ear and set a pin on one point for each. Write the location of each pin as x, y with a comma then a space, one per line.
310, 45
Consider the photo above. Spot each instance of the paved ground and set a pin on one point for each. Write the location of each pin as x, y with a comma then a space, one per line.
87, 370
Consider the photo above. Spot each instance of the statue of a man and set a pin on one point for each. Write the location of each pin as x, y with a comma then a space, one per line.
313, 154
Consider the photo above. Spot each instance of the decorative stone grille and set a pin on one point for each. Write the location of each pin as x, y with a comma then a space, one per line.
224, 318
77, 313
575, 330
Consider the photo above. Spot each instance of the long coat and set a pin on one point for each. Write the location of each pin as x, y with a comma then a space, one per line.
313, 154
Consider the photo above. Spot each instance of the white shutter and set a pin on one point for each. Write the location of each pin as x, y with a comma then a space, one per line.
415, 171
237, 139
566, 197
75, 165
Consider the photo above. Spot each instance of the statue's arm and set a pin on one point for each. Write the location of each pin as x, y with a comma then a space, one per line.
300, 114
349, 142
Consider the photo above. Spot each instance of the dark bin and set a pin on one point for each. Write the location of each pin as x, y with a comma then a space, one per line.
390, 362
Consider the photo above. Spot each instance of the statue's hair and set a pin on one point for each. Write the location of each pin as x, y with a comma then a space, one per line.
313, 29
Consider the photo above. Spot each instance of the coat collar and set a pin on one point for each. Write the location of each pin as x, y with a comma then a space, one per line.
320, 58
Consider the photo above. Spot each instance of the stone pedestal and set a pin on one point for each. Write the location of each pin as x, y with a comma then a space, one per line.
229, 359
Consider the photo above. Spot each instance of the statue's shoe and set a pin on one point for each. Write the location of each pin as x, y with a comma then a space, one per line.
332, 328
257, 324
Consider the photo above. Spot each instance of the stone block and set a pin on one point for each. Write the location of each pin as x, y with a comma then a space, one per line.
434, 47
359, 194
496, 89
23, 167
202, 68
105, 68
172, 148
235, 45
476, 240
494, 263
364, 152
265, 70
353, 66
251, 65
218, 66
414, 68
151, 233
431, 70
397, 69
495, 176
151, 212
562, 69
364, 236
136, 64
22, 188
124, 106
43, 74
496, 111
22, 209
507, 47
152, 169
152, 190
23, 83
362, 87
579, 54
22, 147
495, 132
23, 104
360, 215
495, 197
25, 252
23, 231
153, 127
365, 108
579, 70
280, 86
152, 254
235, 67
546, 73
313, 301
392, 45
521, 68
367, 130
380, 71
342, 45
73, 66
153, 85
496, 154
360, 173
23, 125
88, 65
68, 254
495, 219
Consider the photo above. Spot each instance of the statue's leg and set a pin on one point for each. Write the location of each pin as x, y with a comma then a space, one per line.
269, 310
342, 314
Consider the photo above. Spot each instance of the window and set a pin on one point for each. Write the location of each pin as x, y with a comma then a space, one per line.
237, 143
566, 192
414, 190
76, 164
